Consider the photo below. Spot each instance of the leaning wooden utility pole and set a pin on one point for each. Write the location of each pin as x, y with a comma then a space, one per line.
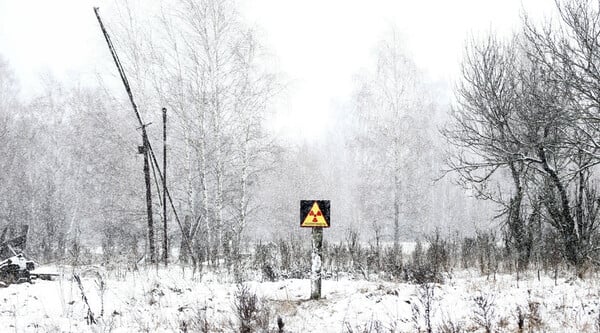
113, 52
144, 149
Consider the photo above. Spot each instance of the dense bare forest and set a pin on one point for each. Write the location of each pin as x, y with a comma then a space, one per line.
500, 179
233, 181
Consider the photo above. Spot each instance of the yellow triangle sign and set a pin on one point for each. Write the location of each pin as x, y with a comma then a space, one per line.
315, 218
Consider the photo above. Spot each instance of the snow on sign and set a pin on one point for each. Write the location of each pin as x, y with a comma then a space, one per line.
314, 213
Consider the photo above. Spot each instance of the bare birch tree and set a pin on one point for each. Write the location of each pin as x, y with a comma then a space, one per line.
205, 66
392, 113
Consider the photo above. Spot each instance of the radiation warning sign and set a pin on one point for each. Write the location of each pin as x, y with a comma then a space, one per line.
314, 213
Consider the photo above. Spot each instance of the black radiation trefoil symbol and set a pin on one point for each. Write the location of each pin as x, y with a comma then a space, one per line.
314, 215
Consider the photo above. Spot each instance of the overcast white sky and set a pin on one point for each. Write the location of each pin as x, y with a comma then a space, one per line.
320, 44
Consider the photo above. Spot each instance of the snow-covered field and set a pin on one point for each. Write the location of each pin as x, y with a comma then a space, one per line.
169, 300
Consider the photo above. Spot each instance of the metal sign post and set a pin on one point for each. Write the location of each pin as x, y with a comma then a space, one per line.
315, 214
316, 263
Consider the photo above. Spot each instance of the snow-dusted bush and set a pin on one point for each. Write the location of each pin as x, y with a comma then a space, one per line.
484, 314
252, 314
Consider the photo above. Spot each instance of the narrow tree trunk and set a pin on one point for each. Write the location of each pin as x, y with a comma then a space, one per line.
164, 184
204, 187
516, 222
396, 216
243, 202
566, 222
183, 247
219, 212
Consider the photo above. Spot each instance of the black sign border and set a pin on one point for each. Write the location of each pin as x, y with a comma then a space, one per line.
324, 205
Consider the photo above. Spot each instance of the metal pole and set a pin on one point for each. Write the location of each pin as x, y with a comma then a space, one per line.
164, 179
316, 263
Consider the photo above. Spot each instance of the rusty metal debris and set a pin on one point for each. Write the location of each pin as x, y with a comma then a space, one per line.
14, 265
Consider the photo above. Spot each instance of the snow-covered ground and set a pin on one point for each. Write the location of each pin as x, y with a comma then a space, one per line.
170, 300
